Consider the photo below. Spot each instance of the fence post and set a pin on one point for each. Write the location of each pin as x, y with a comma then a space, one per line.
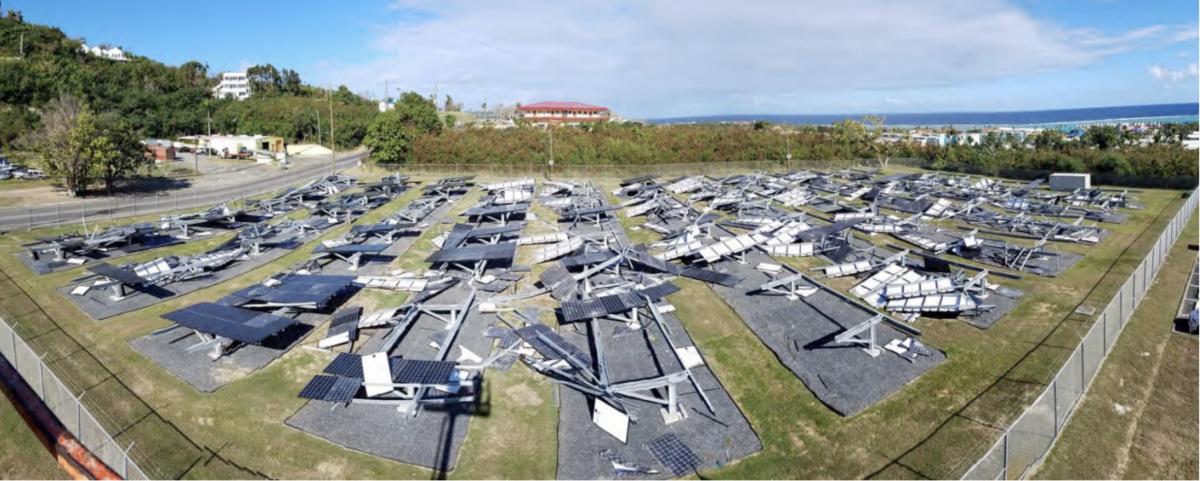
1054, 393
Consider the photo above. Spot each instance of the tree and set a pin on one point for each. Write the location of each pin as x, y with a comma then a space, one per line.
110, 146
451, 120
60, 146
883, 149
391, 135
1048, 139
1103, 137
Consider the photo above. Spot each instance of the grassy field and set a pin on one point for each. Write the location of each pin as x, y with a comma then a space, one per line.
934, 428
22, 456
1138, 420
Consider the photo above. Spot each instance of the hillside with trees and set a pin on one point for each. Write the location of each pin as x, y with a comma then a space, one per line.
38, 64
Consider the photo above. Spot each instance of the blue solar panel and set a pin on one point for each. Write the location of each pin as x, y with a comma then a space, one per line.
241, 325
345, 320
295, 289
676, 456
418, 371
346, 364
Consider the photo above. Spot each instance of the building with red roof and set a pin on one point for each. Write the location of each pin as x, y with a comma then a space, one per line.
570, 113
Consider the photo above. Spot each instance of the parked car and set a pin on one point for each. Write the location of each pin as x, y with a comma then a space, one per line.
29, 174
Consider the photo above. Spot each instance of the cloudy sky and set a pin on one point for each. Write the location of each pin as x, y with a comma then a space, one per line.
648, 59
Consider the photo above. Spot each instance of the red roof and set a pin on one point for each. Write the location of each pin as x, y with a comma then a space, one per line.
563, 106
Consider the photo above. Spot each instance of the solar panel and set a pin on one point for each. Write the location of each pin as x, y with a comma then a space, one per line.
295, 289
491, 252
234, 323
659, 291
674, 454
318, 387
351, 249
586, 258
343, 389
456, 236
600, 306
345, 320
548, 343
554, 275
496, 210
491, 231
418, 371
115, 273
346, 365
651, 262
711, 276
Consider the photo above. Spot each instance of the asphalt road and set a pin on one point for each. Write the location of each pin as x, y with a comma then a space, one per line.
78, 211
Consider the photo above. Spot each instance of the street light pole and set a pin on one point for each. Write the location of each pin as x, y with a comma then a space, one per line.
787, 138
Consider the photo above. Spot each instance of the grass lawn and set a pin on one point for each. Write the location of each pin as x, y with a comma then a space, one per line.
1138, 420
21, 454
935, 427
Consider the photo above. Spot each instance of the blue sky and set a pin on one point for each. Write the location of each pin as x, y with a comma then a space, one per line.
660, 58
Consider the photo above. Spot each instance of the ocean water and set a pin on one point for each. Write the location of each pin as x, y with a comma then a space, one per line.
1160, 113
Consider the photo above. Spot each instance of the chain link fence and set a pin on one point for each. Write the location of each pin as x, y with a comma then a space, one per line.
1025, 444
68, 408
584, 171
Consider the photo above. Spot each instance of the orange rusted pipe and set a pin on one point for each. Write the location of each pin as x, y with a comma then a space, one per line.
70, 453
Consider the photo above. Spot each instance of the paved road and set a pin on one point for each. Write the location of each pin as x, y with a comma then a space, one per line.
72, 212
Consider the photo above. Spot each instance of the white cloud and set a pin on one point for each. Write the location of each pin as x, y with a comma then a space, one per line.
1169, 75
661, 57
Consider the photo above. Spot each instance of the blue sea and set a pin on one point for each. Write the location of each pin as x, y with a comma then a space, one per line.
1162, 113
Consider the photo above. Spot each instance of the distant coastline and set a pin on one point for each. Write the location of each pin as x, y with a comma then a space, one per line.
1159, 113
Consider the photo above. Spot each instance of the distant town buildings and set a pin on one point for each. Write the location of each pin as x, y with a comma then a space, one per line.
161, 150
111, 53
234, 85
1192, 142
568, 113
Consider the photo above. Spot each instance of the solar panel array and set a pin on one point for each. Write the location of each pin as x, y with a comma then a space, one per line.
674, 455
346, 365
230, 322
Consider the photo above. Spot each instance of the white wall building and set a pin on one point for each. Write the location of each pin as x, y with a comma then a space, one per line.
113, 53
234, 85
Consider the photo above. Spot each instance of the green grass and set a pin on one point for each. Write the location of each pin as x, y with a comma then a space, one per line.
238, 431
22, 455
1139, 418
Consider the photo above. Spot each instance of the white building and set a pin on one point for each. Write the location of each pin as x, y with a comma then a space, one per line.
233, 85
1192, 142
113, 53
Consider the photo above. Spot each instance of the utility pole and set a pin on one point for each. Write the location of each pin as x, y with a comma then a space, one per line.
319, 126
787, 138
22, 48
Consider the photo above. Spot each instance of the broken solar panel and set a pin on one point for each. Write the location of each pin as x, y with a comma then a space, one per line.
710, 276
674, 455
345, 321
542, 238
331, 388
490, 252
117, 274
586, 259
551, 345
234, 323
496, 210
731, 245
555, 251
612, 304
